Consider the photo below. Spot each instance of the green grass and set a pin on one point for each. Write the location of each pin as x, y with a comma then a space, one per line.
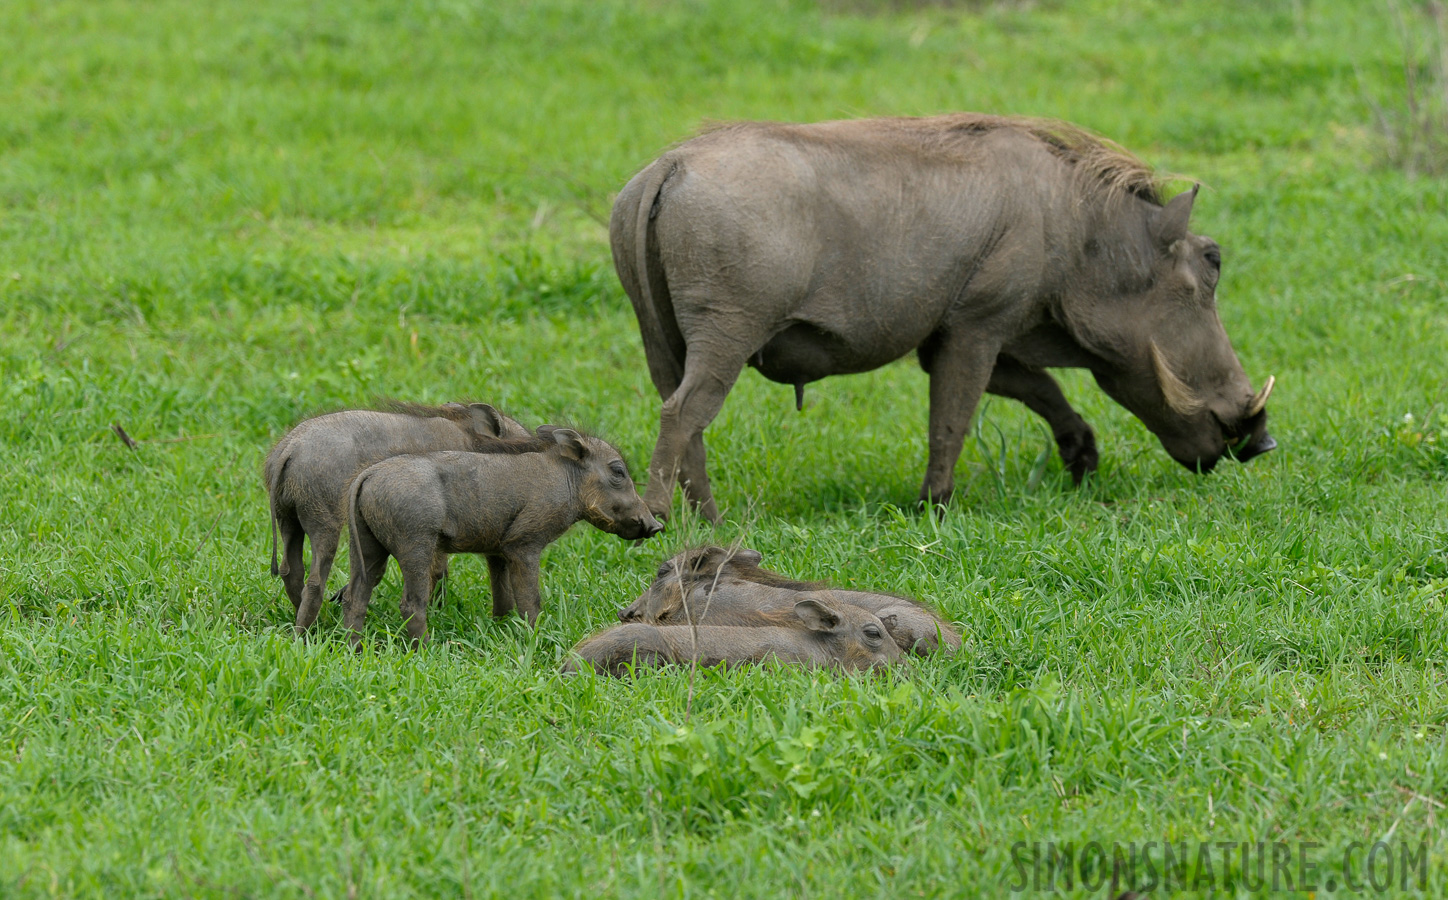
216, 219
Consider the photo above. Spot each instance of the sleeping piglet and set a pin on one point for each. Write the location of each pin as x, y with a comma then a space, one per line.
812, 632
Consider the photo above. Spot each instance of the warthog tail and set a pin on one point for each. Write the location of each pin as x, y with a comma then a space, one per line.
274, 479
657, 348
354, 542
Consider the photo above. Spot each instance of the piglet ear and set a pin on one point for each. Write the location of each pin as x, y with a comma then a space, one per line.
890, 621
568, 440
486, 419
816, 616
748, 557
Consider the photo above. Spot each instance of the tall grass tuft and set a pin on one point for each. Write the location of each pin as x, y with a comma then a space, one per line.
1415, 127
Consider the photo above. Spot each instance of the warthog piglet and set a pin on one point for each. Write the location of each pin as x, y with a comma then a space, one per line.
311, 467
726, 586
507, 507
812, 632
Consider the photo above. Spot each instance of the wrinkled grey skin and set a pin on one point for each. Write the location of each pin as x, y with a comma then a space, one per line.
309, 470
725, 586
992, 247
507, 507
812, 631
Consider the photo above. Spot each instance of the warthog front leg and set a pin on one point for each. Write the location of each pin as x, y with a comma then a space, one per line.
960, 366
522, 574
1042, 395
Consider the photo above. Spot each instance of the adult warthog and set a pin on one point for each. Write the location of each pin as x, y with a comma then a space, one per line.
993, 247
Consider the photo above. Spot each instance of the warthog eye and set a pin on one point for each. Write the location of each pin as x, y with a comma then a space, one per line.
1214, 257
664, 568
872, 631
618, 472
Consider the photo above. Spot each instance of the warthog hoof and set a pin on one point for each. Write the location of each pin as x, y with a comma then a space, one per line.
1078, 453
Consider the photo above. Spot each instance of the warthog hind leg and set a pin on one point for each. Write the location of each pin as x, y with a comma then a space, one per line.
1042, 395
709, 373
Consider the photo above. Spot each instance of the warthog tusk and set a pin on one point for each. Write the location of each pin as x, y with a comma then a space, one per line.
1178, 395
1259, 402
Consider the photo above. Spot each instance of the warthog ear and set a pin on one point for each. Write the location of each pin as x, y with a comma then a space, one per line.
570, 441
1170, 223
747, 557
890, 621
485, 418
816, 616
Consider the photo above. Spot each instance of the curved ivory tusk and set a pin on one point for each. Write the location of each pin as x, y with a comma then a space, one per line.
1178, 395
1259, 402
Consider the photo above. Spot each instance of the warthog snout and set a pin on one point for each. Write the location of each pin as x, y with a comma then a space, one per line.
1256, 447
640, 527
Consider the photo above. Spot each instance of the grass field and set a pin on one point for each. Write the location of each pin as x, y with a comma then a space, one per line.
216, 219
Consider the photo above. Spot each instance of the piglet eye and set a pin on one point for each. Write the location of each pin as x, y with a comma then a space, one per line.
872, 631
1214, 257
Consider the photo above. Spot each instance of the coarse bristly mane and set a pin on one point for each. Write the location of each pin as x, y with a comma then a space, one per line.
422, 410
482, 443
1103, 162
1090, 154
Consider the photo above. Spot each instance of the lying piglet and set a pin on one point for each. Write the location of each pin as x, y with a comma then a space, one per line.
812, 632
311, 467
726, 586
507, 507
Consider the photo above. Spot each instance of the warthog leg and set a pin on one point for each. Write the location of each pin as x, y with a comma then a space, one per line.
503, 602
291, 536
709, 373
1042, 395
960, 366
695, 477
369, 563
417, 568
522, 575
324, 550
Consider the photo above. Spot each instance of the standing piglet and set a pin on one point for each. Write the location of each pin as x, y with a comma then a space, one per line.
308, 473
507, 507
813, 631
